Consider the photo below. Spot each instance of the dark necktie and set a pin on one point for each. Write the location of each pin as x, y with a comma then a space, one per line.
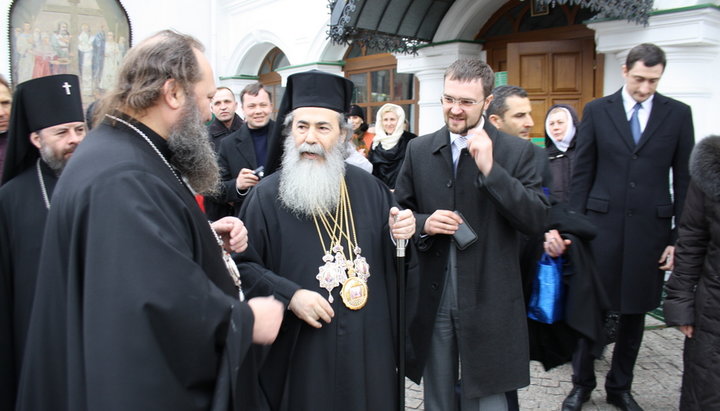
635, 123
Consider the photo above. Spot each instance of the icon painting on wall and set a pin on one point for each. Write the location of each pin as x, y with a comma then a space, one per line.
88, 38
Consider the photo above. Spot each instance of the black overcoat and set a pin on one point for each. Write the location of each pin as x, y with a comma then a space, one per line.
493, 341
236, 152
693, 291
624, 189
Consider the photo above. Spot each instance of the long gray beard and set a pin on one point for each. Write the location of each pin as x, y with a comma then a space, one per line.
192, 154
309, 186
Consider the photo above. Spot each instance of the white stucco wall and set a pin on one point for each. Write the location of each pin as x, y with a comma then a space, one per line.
253, 27
237, 35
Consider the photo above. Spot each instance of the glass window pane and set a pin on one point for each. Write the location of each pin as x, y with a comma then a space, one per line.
265, 68
355, 51
409, 116
380, 81
360, 92
404, 86
280, 61
278, 93
371, 51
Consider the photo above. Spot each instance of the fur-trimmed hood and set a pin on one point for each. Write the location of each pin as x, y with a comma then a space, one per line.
705, 166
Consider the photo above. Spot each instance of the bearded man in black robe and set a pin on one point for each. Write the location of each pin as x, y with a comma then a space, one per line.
325, 230
135, 307
47, 125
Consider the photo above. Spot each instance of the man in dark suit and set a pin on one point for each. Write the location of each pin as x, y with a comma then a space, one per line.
470, 307
626, 146
244, 151
225, 122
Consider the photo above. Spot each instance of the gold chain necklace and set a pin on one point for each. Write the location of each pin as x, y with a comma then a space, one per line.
352, 271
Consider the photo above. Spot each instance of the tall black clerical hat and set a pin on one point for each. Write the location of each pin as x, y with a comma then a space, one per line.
37, 104
308, 89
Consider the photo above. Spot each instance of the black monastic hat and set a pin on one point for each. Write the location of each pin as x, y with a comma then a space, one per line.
356, 111
308, 89
37, 104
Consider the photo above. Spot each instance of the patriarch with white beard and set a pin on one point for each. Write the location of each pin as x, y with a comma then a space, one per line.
311, 173
323, 230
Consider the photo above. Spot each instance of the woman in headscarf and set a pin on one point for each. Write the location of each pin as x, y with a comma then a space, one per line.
389, 144
361, 137
560, 129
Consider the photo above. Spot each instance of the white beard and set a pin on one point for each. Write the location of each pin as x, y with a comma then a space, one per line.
309, 186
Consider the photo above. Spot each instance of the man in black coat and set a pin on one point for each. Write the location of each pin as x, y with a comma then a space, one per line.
243, 152
627, 145
510, 111
226, 121
470, 309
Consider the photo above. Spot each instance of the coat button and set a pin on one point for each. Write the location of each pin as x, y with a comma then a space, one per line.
632, 184
629, 213
434, 286
634, 157
449, 184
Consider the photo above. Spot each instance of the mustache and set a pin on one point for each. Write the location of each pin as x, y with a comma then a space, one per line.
311, 149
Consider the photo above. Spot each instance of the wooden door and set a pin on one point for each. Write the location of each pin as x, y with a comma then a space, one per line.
552, 72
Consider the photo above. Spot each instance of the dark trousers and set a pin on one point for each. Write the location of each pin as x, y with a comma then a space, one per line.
442, 370
630, 330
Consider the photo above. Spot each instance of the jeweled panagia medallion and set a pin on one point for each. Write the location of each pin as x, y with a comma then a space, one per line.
354, 293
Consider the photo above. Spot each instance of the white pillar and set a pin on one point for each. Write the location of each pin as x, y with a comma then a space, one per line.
429, 66
691, 41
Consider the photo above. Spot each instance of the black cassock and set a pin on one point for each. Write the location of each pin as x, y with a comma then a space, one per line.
22, 220
134, 307
349, 364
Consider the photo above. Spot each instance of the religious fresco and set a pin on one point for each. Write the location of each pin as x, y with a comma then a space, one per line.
88, 38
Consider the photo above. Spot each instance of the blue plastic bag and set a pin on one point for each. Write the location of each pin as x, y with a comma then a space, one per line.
546, 301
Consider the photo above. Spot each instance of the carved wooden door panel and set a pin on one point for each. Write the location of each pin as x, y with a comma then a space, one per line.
552, 72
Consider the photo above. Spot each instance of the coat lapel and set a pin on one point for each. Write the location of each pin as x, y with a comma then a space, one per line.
660, 110
441, 146
616, 111
245, 148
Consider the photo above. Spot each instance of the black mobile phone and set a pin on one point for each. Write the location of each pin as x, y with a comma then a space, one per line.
464, 236
259, 172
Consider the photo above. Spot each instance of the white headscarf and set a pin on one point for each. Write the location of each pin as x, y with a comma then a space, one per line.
388, 141
563, 144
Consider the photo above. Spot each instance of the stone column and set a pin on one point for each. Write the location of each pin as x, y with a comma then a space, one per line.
429, 66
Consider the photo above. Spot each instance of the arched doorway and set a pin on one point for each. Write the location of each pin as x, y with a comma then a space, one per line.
268, 76
549, 53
